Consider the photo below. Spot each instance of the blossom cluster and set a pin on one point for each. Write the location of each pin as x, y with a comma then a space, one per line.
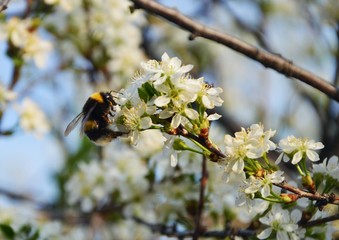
31, 117
24, 41
283, 223
93, 184
165, 96
102, 34
26, 222
246, 157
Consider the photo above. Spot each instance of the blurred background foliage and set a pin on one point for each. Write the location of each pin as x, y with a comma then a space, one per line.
78, 47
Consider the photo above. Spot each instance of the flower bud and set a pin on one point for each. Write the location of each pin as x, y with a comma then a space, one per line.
308, 183
289, 197
179, 145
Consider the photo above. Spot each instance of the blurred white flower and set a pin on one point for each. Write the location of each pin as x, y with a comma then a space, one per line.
114, 36
299, 148
129, 229
90, 185
21, 35
32, 119
65, 4
5, 96
16, 30
121, 170
150, 142
281, 223
37, 49
328, 167
128, 169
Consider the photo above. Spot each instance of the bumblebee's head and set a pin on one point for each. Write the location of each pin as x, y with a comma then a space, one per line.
108, 98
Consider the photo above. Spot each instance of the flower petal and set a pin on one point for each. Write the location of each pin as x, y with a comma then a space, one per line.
176, 120
297, 157
265, 234
191, 113
213, 117
312, 155
145, 122
162, 101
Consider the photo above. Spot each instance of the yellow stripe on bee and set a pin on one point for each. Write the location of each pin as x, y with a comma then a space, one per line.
89, 125
97, 96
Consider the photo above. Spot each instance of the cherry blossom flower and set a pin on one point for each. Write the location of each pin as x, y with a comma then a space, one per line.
134, 120
32, 119
33, 47
300, 148
210, 95
247, 200
264, 184
6, 96
281, 223
328, 167
168, 67
251, 143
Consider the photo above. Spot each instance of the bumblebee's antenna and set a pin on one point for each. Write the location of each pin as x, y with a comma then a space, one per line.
114, 91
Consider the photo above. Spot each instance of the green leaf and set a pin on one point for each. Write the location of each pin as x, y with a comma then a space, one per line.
147, 91
143, 94
150, 89
7, 231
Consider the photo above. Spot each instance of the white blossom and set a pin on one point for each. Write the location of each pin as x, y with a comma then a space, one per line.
32, 119
21, 35
67, 5
168, 67
300, 148
210, 95
281, 223
5, 96
328, 167
264, 184
251, 143
90, 185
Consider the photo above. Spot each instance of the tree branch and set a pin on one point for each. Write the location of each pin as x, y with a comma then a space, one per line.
269, 60
203, 182
171, 231
320, 221
322, 199
4, 5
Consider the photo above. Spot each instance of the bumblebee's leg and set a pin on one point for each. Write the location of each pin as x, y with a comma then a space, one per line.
102, 136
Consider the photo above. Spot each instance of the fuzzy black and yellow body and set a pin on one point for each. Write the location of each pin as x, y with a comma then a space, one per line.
95, 118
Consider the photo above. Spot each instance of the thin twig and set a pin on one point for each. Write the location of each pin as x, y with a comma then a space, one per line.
181, 131
320, 221
324, 198
269, 60
172, 231
4, 5
15, 76
203, 182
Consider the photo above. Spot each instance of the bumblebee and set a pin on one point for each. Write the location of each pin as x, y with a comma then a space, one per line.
95, 118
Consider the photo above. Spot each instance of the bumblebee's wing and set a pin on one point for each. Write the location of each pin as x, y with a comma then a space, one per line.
84, 120
84, 116
74, 123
